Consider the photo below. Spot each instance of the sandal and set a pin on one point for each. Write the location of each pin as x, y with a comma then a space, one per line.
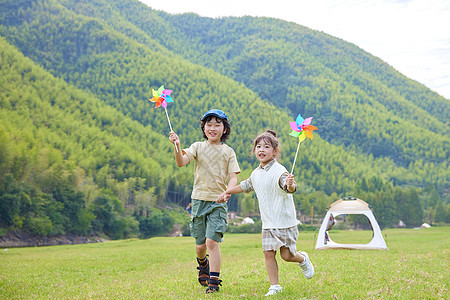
203, 273
213, 286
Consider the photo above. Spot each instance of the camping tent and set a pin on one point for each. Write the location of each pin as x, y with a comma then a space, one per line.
349, 205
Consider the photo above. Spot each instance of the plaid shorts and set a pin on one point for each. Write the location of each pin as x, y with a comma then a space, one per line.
274, 239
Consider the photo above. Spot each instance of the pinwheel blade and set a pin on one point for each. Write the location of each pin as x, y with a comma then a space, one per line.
310, 128
154, 99
155, 93
307, 121
294, 126
168, 98
308, 134
167, 92
301, 137
294, 133
158, 104
299, 120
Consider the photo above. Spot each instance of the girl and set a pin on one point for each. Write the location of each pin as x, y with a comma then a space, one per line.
274, 187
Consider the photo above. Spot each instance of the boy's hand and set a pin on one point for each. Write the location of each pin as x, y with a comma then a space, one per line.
223, 197
173, 137
220, 199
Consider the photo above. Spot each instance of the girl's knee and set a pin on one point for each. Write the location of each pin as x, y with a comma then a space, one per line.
286, 255
269, 254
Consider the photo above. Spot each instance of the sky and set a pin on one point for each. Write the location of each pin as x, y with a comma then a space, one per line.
412, 36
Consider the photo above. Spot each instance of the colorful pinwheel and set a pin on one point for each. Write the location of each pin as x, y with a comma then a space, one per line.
302, 129
162, 97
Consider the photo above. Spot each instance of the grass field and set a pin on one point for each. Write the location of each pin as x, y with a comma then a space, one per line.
415, 267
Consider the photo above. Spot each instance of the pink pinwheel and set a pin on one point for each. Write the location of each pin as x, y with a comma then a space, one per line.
302, 129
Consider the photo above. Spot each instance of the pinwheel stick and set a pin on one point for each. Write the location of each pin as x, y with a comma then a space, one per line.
167, 115
170, 125
295, 158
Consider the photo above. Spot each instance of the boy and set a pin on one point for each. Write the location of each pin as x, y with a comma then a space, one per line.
214, 163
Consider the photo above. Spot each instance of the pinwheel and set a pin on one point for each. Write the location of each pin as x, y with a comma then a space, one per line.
302, 129
161, 97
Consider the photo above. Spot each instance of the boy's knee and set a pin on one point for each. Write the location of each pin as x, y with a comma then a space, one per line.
201, 247
211, 244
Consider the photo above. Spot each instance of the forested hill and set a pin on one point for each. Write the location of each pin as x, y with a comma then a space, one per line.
299, 69
82, 149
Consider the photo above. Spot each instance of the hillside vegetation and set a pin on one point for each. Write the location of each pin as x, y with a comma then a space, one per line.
83, 151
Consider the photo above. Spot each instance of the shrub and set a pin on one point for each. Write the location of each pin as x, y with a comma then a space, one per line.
246, 228
41, 225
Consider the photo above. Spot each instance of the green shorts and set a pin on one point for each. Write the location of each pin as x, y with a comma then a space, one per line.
208, 220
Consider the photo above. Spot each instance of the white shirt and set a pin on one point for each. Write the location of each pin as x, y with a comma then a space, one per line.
275, 204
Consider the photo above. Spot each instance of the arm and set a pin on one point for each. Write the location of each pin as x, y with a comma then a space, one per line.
232, 188
291, 186
180, 156
233, 180
227, 194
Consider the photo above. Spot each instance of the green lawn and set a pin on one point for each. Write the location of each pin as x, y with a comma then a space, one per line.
415, 267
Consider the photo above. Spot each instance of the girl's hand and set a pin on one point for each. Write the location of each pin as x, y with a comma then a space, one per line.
290, 183
290, 180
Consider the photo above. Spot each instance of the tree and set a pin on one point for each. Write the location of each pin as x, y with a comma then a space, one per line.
12, 200
158, 222
441, 213
409, 207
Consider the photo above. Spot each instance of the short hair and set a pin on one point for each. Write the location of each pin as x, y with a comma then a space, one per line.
226, 126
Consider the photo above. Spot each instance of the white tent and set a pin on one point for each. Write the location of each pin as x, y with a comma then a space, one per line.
352, 206
248, 220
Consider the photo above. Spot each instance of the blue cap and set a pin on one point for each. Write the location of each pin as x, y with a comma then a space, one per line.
215, 112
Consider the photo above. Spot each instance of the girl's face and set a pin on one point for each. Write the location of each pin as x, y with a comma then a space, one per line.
265, 152
214, 130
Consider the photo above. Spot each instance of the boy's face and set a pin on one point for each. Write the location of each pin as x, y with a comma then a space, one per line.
214, 130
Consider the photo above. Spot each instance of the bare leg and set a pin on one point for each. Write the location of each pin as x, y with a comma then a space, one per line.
214, 255
287, 255
271, 266
200, 250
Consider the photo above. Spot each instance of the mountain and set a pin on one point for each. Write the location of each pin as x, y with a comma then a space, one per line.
76, 76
